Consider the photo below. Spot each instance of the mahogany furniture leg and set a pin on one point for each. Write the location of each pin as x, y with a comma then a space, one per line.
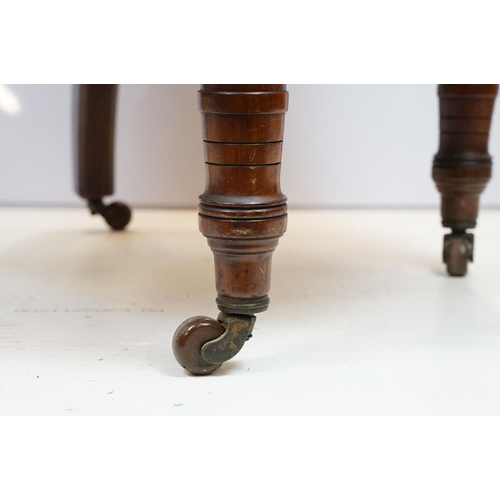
242, 213
95, 128
462, 166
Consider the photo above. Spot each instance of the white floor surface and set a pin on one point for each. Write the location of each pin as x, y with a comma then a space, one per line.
363, 319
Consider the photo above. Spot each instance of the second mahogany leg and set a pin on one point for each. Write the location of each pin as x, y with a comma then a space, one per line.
95, 107
242, 213
462, 166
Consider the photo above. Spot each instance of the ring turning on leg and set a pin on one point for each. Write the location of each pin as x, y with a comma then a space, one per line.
462, 166
242, 213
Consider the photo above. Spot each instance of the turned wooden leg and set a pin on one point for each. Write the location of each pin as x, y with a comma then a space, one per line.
462, 166
242, 213
95, 129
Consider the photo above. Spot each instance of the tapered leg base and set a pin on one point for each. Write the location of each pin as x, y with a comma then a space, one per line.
462, 166
242, 213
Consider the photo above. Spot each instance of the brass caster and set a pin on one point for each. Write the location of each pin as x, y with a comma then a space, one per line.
201, 345
117, 215
457, 252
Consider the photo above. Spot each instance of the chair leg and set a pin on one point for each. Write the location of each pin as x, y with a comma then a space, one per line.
462, 166
242, 213
94, 117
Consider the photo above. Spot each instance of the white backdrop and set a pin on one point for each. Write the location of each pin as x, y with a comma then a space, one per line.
345, 145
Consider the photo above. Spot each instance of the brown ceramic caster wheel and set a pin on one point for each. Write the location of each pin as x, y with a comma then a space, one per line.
188, 340
457, 255
117, 215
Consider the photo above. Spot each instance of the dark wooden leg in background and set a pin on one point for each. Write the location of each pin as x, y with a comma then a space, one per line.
95, 129
242, 213
462, 166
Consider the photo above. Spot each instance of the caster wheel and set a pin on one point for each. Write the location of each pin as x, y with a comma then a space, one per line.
117, 215
201, 344
457, 253
190, 337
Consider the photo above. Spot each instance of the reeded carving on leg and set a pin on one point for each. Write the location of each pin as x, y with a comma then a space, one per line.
242, 211
462, 166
